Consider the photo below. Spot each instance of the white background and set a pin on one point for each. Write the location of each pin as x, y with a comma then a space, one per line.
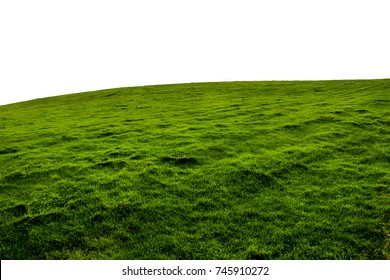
278, 270
51, 47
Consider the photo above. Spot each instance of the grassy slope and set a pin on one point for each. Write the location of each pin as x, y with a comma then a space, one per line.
243, 170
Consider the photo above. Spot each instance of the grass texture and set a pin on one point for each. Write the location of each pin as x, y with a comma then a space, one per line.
231, 170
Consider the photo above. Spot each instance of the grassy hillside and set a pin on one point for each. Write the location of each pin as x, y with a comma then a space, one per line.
240, 170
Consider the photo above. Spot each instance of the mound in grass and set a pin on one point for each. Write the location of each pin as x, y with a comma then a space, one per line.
238, 170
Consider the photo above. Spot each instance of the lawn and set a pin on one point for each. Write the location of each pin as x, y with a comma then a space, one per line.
230, 170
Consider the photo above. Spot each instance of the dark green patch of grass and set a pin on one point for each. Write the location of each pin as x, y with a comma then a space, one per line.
179, 160
239, 170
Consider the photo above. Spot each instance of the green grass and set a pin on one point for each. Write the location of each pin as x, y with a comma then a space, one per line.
238, 170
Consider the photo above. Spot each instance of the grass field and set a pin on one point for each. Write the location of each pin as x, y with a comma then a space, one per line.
237, 170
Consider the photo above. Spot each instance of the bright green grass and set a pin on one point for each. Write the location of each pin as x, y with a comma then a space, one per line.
240, 170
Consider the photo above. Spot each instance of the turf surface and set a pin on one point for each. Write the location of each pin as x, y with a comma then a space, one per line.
238, 170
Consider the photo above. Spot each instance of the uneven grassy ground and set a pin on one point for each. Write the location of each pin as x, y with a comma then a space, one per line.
240, 170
